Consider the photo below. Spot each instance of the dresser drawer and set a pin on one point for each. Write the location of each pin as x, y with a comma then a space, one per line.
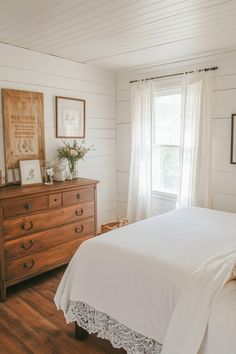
55, 200
25, 206
49, 238
33, 223
23, 267
79, 195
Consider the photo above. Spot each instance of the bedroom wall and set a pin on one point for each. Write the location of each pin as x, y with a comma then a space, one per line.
223, 173
27, 70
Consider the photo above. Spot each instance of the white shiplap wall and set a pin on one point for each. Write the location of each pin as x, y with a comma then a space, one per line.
223, 173
27, 70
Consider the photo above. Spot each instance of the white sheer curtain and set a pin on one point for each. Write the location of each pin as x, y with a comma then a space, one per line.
195, 187
140, 183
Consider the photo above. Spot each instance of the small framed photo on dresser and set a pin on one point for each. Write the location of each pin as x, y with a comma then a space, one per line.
70, 117
30, 172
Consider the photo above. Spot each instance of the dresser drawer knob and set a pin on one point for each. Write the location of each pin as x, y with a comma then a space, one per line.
29, 265
28, 225
79, 229
78, 195
79, 212
27, 245
27, 206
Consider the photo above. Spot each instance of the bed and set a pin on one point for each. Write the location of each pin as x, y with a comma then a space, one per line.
162, 285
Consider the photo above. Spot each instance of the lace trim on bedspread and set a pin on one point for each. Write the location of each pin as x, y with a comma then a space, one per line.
107, 327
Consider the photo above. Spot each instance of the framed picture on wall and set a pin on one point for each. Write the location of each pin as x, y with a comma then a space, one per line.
30, 172
70, 117
23, 121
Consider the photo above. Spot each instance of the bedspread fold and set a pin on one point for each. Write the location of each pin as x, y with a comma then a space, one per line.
190, 317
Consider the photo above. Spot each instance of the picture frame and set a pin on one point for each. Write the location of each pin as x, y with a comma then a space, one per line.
233, 139
13, 176
30, 172
23, 130
70, 117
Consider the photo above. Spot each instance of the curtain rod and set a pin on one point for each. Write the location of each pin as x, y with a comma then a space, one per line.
187, 72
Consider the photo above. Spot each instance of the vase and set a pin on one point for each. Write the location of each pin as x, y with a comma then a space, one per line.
73, 167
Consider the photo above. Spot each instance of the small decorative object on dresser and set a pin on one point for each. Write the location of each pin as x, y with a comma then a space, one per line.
41, 227
48, 172
59, 171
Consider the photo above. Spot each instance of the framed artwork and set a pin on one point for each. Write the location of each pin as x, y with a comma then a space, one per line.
233, 139
30, 172
23, 121
70, 117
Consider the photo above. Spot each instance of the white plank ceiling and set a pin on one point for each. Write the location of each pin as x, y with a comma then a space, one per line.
120, 34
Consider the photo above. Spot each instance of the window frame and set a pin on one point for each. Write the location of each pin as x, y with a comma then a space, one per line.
165, 195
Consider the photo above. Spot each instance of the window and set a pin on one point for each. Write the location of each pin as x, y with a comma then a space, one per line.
166, 142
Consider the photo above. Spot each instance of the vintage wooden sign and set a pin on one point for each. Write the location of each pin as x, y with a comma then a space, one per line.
23, 121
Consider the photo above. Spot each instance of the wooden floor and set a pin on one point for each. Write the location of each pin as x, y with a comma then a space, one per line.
30, 323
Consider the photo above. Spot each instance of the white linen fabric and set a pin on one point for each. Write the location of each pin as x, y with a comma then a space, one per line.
159, 275
140, 183
195, 186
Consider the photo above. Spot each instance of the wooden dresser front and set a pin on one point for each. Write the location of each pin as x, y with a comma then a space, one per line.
42, 226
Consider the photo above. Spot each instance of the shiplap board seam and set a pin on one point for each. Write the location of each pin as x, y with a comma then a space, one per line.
120, 201
103, 129
106, 138
221, 117
224, 171
51, 74
225, 89
55, 87
225, 193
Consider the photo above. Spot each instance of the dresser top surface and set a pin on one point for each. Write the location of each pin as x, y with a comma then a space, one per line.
13, 191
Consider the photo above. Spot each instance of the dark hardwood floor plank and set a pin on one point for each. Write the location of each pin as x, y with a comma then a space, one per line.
31, 324
7, 345
24, 332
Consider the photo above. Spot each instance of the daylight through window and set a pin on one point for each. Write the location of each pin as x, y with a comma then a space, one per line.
166, 142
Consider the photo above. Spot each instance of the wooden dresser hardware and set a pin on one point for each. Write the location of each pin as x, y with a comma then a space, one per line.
29, 265
79, 229
28, 225
28, 206
41, 228
79, 212
28, 245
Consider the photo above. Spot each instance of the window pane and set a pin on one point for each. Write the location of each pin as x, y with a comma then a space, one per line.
167, 120
166, 169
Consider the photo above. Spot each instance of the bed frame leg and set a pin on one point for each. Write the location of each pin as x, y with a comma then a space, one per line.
80, 333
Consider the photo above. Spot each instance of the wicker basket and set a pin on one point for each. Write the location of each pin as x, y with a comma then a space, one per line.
110, 226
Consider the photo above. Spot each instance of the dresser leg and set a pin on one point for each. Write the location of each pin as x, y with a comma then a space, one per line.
3, 292
80, 333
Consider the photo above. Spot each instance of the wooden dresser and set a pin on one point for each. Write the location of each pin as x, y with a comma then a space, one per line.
42, 226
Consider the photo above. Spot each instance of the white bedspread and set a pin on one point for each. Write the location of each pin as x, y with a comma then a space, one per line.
161, 277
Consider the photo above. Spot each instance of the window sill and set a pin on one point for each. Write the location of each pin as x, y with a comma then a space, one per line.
165, 196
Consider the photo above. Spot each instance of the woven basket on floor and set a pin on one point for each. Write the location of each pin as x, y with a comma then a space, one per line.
109, 226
